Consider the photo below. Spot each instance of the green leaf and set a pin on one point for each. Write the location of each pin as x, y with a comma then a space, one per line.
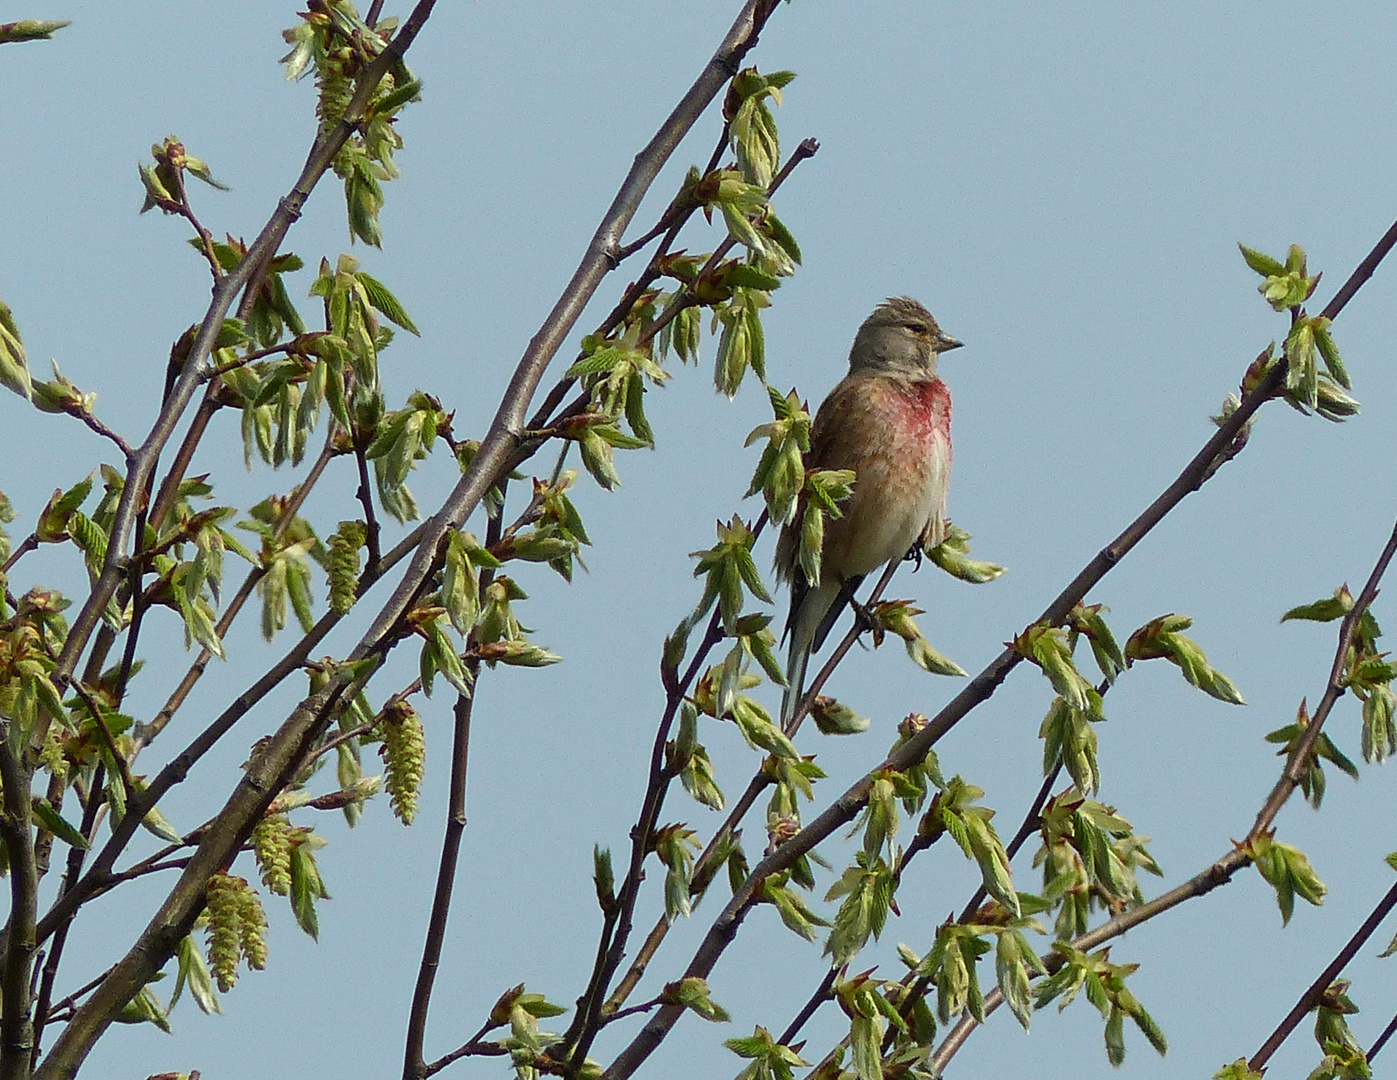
193, 972
31, 30
54, 822
1262, 263
388, 304
306, 889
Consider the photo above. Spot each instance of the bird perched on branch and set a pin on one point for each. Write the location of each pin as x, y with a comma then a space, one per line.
889, 420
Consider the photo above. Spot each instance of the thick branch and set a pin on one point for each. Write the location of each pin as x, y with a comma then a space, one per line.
16, 1028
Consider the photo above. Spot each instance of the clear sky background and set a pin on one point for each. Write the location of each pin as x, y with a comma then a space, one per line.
1063, 186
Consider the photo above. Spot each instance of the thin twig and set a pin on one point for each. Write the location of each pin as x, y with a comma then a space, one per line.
243, 361
365, 496
28, 544
414, 1066
105, 735
86, 988
1382, 1039
144, 733
760, 781
618, 920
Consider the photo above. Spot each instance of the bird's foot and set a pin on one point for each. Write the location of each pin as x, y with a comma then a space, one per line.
914, 556
862, 616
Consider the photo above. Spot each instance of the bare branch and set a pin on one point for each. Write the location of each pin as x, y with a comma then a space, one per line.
414, 1067
1311, 998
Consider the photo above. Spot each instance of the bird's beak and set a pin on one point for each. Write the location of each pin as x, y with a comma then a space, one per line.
945, 343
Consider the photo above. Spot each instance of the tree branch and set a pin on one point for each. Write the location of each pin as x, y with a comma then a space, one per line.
1223, 870
1311, 998
16, 1028
414, 1066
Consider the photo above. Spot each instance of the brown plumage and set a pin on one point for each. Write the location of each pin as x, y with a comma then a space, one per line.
889, 420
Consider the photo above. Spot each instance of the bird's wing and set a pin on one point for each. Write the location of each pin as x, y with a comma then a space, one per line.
830, 443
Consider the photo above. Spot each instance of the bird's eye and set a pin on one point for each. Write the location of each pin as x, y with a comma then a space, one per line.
920, 329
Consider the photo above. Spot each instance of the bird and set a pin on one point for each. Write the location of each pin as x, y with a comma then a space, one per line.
889, 420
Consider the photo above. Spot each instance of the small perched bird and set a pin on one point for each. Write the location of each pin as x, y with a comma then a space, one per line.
889, 420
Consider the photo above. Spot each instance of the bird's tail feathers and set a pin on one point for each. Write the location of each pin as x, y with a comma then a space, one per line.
807, 616
836, 608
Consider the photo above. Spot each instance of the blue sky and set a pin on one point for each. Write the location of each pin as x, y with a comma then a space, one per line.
1063, 186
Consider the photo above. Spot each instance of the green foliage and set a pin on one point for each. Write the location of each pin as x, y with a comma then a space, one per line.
14, 365
404, 437
615, 372
1050, 647
1104, 983
1287, 870
832, 717
1163, 638
1238, 1070
952, 555
869, 1011
1368, 674
867, 889
751, 127
727, 569
193, 973
306, 884
770, 1060
1287, 284
780, 474
335, 42
774, 890
676, 847
31, 30
953, 811
897, 617
692, 994
1090, 857
439, 652
1344, 1058
1312, 781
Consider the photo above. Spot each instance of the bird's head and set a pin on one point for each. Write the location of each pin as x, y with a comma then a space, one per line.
899, 338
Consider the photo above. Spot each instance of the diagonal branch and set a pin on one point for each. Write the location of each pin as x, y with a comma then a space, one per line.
1311, 998
1224, 869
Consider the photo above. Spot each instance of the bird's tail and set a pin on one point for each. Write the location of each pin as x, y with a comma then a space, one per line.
812, 605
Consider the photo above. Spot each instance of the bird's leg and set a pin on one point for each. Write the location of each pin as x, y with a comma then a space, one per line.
862, 616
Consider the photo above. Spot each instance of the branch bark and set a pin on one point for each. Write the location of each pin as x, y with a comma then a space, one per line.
16, 1028
414, 1066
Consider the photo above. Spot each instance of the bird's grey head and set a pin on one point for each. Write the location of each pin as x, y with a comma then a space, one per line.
899, 338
